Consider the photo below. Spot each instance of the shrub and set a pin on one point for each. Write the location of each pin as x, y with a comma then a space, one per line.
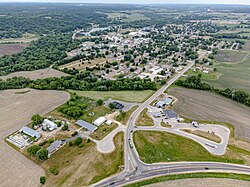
43, 143
70, 144
54, 170
88, 140
74, 134
42, 180
81, 145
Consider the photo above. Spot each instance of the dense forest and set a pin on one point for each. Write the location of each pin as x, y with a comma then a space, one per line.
40, 54
195, 82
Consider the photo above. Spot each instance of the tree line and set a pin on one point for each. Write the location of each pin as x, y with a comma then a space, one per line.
81, 81
195, 82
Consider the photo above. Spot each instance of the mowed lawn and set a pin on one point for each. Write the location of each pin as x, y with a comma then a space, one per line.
129, 96
154, 147
233, 76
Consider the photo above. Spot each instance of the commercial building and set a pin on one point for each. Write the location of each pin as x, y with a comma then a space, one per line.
170, 114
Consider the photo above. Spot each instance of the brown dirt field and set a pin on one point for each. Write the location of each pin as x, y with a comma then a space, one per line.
8, 49
16, 112
201, 105
37, 74
206, 182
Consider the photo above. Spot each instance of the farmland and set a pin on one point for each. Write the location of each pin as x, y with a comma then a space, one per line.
26, 38
233, 75
129, 96
36, 74
230, 56
201, 105
16, 111
8, 49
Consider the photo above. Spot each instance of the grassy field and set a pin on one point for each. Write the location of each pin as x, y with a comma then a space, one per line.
144, 119
27, 38
212, 75
135, 17
103, 131
230, 56
8, 49
233, 75
129, 96
192, 176
124, 118
201, 105
83, 166
82, 65
156, 147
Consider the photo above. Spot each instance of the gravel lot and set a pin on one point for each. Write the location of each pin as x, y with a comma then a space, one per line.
201, 105
16, 111
207, 182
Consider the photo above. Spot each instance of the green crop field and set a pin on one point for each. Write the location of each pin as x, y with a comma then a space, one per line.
230, 56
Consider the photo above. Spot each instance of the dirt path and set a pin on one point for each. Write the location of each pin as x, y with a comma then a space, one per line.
201, 105
16, 111
207, 182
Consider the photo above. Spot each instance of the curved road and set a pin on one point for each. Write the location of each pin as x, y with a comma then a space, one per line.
135, 170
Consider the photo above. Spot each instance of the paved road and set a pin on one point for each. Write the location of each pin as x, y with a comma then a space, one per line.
132, 120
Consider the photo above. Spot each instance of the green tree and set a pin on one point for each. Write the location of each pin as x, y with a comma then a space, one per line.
42, 154
78, 141
42, 180
65, 127
111, 106
99, 102
32, 150
36, 119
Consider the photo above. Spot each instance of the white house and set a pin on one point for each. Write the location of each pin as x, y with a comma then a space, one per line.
99, 121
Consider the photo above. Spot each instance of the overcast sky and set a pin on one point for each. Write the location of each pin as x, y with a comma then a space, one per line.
246, 2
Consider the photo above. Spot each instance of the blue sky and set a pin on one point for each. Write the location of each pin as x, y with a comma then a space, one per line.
247, 2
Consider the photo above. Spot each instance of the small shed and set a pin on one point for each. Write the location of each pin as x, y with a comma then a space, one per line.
109, 122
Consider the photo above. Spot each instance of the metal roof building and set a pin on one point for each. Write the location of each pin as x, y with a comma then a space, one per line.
55, 146
86, 125
170, 113
30, 132
50, 124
